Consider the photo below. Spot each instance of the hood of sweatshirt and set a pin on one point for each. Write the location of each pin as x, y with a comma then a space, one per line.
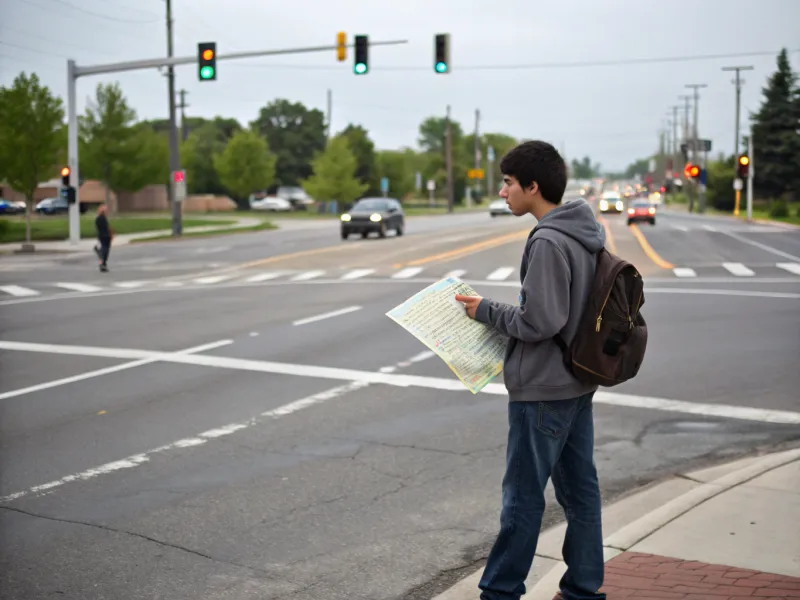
575, 219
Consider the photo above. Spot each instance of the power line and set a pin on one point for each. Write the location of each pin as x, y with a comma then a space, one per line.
558, 65
99, 15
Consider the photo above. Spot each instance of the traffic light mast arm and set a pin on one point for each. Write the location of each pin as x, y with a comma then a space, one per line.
153, 63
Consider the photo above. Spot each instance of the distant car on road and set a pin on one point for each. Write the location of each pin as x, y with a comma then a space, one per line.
271, 204
374, 214
499, 207
642, 211
52, 206
611, 202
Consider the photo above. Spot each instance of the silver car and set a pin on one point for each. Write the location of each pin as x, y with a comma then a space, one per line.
499, 207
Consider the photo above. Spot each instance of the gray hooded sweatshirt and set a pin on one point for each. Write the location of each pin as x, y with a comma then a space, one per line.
557, 271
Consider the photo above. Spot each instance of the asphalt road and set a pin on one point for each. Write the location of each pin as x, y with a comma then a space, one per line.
254, 456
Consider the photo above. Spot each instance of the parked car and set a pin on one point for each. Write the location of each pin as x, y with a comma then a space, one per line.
296, 196
373, 214
52, 206
271, 204
642, 211
499, 207
11, 208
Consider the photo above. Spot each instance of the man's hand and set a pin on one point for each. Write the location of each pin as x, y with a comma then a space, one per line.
470, 303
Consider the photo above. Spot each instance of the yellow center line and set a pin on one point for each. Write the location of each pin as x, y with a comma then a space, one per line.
612, 246
466, 250
648, 249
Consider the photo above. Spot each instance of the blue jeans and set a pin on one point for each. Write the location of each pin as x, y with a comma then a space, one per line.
545, 439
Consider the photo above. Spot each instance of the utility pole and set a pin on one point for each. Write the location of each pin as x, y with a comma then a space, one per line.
738, 83
328, 117
675, 149
490, 191
477, 151
695, 146
174, 158
750, 176
183, 106
448, 159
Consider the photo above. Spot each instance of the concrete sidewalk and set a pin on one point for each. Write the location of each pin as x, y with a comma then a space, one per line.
723, 533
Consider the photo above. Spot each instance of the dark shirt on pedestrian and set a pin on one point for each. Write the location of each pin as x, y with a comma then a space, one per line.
103, 229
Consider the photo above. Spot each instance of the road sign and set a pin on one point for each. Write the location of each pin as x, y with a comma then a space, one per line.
431, 185
738, 184
385, 185
702, 146
179, 185
490, 154
475, 173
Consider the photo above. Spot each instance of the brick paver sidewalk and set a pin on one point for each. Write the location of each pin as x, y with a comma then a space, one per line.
636, 576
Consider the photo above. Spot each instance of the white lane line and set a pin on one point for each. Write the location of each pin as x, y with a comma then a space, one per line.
18, 290
407, 273
709, 228
172, 284
264, 276
308, 275
212, 279
129, 285
732, 293
791, 267
435, 383
107, 370
79, 287
457, 273
684, 272
327, 315
680, 228
738, 269
764, 247
138, 459
358, 273
500, 274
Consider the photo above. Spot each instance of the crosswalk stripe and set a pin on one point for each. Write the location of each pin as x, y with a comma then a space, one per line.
407, 272
791, 267
500, 274
80, 287
308, 275
709, 228
357, 273
457, 273
738, 269
264, 276
129, 284
211, 279
684, 272
680, 228
18, 290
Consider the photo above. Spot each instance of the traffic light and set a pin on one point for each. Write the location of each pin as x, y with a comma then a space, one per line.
441, 50
691, 171
341, 46
207, 61
361, 65
65, 173
743, 166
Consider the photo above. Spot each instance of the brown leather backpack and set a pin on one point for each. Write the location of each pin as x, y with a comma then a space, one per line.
609, 345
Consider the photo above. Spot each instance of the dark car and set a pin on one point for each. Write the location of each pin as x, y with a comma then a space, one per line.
642, 211
373, 214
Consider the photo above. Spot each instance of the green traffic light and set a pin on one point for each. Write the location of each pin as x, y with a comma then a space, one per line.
441, 67
360, 68
207, 72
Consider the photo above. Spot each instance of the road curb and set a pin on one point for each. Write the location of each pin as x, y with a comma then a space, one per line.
685, 492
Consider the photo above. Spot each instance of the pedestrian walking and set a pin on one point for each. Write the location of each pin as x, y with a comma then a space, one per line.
104, 237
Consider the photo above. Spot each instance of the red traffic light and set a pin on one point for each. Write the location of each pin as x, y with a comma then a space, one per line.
694, 171
65, 171
743, 168
179, 176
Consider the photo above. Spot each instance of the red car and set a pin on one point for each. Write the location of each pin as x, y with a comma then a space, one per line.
642, 211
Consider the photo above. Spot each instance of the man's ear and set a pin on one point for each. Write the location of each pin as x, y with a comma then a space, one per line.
533, 189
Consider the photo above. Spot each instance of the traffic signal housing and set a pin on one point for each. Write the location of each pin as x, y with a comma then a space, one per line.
441, 51
65, 173
207, 61
691, 171
361, 64
341, 46
743, 166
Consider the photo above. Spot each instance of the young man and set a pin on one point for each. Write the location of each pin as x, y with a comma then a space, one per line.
551, 431
104, 236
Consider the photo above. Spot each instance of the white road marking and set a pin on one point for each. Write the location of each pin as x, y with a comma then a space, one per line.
457, 273
105, 371
738, 269
791, 267
18, 290
407, 273
327, 315
212, 250
212, 279
500, 274
709, 228
764, 247
264, 276
358, 273
425, 355
680, 228
308, 275
171, 284
79, 287
684, 272
128, 285
742, 293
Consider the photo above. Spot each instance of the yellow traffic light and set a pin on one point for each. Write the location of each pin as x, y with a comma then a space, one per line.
208, 54
744, 160
65, 172
341, 46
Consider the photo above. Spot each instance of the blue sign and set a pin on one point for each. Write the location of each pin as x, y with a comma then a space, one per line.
384, 184
703, 176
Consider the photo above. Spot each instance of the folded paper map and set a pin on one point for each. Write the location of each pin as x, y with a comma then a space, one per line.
472, 350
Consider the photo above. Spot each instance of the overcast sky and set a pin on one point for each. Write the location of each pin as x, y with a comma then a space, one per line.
612, 113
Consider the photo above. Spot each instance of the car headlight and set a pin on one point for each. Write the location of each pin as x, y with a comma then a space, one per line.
651, 210
603, 205
631, 211
346, 218
620, 205
375, 218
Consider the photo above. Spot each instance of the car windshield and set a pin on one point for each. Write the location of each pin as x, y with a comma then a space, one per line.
641, 205
371, 205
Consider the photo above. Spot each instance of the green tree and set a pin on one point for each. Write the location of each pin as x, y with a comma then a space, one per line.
197, 157
432, 134
31, 130
776, 143
364, 150
246, 165
295, 134
720, 183
399, 166
334, 175
584, 169
123, 155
